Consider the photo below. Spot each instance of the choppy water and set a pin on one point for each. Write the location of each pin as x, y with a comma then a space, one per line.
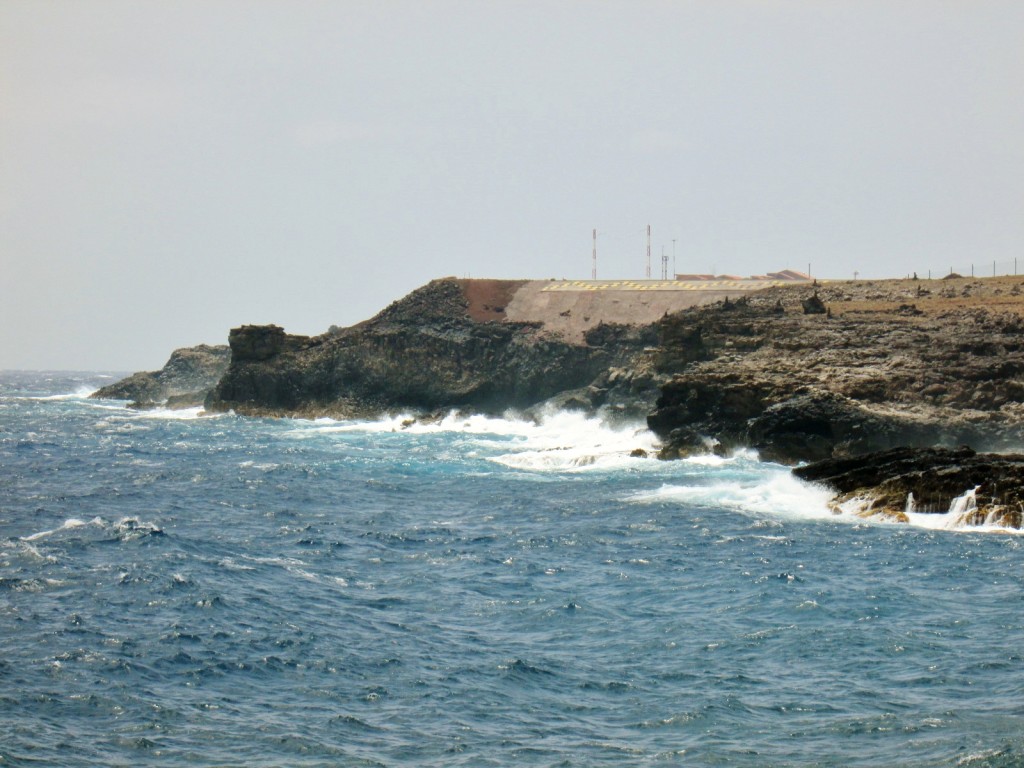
180, 590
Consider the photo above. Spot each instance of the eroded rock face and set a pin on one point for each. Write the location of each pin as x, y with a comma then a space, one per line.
804, 387
184, 381
256, 342
424, 352
887, 483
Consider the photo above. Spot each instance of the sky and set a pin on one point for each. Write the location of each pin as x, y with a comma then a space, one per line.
170, 170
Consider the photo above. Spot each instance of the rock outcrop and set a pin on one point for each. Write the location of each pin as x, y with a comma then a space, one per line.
872, 373
975, 488
445, 345
183, 382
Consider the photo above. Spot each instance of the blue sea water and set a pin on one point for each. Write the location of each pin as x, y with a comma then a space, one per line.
179, 590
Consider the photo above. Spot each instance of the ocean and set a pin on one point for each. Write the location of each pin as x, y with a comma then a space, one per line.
179, 589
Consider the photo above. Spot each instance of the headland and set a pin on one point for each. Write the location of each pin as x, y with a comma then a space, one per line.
800, 370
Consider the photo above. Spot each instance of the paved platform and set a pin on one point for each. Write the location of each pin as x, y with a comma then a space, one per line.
571, 307
664, 285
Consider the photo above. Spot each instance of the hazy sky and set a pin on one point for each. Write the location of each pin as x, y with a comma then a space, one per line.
171, 169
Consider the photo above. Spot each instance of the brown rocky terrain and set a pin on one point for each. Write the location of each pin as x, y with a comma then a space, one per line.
895, 362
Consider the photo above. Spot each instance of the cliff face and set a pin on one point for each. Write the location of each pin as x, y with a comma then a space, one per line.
433, 349
184, 380
887, 365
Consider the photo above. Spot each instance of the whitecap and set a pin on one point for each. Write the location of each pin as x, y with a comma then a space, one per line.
174, 414
70, 523
776, 494
563, 441
82, 393
553, 441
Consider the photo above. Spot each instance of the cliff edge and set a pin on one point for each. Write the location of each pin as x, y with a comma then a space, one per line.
449, 344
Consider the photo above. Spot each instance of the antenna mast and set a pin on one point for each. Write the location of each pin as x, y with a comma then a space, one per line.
648, 251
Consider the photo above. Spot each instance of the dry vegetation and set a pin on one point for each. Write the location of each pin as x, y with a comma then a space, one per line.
931, 297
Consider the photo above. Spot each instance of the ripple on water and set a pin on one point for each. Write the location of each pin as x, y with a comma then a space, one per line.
233, 591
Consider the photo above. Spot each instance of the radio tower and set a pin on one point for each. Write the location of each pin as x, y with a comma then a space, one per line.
593, 270
648, 251
664, 264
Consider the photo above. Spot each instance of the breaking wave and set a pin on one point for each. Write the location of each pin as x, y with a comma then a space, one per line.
555, 441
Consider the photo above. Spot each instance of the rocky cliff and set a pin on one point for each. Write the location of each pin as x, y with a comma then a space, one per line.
800, 373
886, 370
447, 345
886, 364
184, 381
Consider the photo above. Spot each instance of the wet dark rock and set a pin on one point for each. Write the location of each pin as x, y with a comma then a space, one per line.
184, 380
683, 442
888, 483
820, 424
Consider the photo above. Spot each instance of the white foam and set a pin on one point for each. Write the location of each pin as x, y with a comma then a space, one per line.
954, 519
509, 425
556, 441
71, 522
173, 414
776, 494
82, 393
571, 442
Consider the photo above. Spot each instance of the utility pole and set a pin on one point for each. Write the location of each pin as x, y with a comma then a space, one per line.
664, 264
593, 271
673, 258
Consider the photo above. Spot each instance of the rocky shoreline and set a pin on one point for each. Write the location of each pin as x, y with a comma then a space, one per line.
802, 373
184, 382
902, 369
978, 489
